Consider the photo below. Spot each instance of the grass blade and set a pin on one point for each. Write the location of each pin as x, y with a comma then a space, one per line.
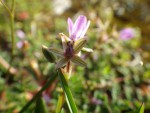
60, 103
40, 106
141, 108
69, 98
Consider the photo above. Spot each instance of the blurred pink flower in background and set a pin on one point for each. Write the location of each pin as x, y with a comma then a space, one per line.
126, 34
19, 44
20, 34
23, 15
22, 43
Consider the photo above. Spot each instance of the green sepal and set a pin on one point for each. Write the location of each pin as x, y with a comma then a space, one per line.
89, 50
79, 44
56, 52
78, 61
62, 62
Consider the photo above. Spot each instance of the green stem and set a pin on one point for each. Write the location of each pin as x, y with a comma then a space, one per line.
60, 103
11, 13
50, 81
12, 28
8, 10
68, 95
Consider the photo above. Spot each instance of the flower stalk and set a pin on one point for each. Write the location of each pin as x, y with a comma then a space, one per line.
11, 13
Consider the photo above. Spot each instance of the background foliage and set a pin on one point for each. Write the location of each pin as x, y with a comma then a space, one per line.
117, 78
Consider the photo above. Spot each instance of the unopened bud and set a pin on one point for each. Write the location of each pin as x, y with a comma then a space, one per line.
48, 55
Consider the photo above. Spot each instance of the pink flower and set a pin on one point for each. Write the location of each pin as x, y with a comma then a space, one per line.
126, 34
19, 44
79, 28
20, 34
73, 44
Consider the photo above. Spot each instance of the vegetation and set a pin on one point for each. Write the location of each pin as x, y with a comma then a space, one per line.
116, 78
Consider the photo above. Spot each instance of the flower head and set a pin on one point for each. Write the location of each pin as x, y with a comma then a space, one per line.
79, 28
70, 51
126, 34
73, 44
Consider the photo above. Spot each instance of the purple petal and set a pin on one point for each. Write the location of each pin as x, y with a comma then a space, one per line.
85, 29
70, 26
78, 27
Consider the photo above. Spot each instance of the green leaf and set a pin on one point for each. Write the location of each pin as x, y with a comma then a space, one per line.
141, 108
40, 106
79, 44
78, 61
48, 55
69, 98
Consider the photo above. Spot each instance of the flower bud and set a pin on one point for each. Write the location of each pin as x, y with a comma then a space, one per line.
48, 55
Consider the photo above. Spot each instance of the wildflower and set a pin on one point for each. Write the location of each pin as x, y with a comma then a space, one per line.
22, 43
20, 34
19, 44
70, 51
79, 28
96, 101
73, 44
126, 34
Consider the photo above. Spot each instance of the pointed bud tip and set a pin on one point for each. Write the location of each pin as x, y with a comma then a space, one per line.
48, 55
44, 47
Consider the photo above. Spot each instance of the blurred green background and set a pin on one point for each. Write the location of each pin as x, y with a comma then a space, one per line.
117, 77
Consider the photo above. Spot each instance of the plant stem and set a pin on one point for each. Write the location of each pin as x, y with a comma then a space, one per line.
68, 95
12, 28
11, 14
50, 81
60, 103
8, 10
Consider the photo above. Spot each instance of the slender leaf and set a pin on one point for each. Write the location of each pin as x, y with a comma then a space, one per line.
60, 103
141, 108
40, 106
69, 98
